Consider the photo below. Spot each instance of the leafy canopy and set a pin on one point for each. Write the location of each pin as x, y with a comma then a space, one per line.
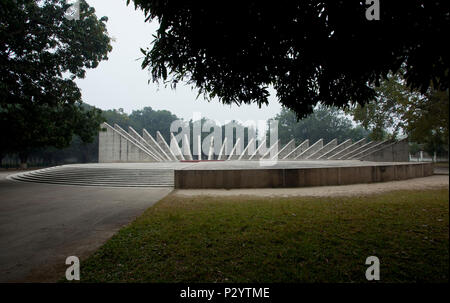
41, 53
384, 116
310, 51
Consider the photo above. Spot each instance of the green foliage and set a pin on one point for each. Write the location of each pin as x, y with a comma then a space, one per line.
309, 51
41, 54
398, 110
151, 120
84, 151
117, 116
427, 121
383, 116
324, 123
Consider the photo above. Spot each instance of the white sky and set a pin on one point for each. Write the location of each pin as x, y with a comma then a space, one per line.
121, 83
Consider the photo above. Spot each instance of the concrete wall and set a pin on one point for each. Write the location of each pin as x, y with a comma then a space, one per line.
113, 147
116, 145
395, 152
287, 149
348, 149
297, 150
311, 150
357, 150
337, 149
375, 147
303, 177
106, 145
331, 145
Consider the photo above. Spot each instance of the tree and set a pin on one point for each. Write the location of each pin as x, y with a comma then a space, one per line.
427, 121
117, 116
309, 51
41, 54
399, 111
324, 123
153, 121
384, 116
80, 151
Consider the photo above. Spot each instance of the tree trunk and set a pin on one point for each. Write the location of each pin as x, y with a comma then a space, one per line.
23, 156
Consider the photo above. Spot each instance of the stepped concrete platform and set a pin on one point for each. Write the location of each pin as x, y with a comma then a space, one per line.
227, 174
157, 174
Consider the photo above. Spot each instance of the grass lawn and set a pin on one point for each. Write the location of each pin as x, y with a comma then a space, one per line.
204, 239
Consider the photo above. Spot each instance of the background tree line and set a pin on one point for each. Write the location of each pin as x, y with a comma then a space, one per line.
80, 151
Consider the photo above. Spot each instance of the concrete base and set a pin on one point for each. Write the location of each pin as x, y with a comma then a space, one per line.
285, 174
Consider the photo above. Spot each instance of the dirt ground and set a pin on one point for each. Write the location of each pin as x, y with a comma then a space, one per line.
432, 182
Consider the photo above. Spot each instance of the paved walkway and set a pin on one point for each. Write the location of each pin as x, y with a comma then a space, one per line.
41, 225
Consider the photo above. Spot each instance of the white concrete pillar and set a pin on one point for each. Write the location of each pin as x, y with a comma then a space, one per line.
211, 150
187, 148
234, 149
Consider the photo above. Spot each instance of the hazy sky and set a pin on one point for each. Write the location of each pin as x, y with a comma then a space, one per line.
121, 83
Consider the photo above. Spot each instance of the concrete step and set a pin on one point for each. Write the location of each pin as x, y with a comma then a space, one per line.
100, 180
110, 177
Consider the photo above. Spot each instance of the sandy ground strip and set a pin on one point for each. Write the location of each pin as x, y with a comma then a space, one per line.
432, 182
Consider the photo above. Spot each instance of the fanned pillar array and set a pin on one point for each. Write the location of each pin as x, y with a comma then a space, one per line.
118, 145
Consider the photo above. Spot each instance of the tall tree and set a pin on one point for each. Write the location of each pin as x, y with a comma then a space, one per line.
383, 116
398, 110
310, 51
427, 121
42, 52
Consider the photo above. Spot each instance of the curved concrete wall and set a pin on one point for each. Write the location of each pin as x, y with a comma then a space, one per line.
299, 177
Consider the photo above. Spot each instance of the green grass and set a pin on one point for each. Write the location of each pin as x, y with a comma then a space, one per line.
204, 239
